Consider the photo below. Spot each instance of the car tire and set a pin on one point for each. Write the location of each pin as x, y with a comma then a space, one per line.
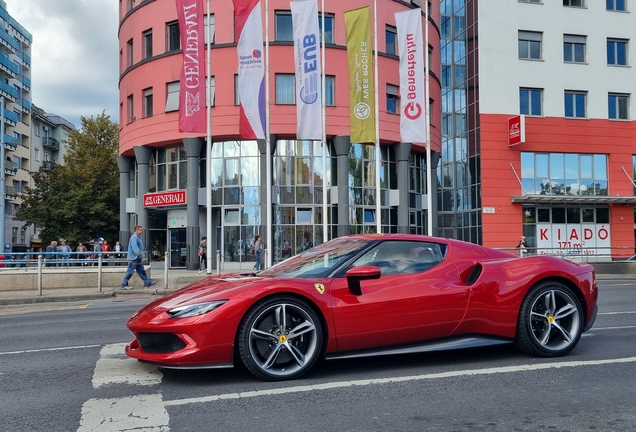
550, 320
280, 338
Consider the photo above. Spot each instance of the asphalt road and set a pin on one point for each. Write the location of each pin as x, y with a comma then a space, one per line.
62, 369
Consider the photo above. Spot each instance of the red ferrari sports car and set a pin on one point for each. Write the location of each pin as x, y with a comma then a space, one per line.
366, 295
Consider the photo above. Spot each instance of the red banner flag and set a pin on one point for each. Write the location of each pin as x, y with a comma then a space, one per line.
192, 107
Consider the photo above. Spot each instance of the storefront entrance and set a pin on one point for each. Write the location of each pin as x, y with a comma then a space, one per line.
178, 248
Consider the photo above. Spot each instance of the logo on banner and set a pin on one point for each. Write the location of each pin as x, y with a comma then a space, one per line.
412, 110
362, 111
192, 103
250, 60
309, 92
164, 199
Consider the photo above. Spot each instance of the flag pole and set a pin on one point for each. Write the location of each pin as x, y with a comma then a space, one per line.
208, 149
378, 156
268, 149
325, 207
429, 173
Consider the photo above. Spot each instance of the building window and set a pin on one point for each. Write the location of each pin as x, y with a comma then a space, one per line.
573, 48
232, 216
147, 40
173, 42
131, 115
392, 99
129, 53
148, 102
529, 1
172, 98
36, 129
615, 5
304, 216
284, 31
574, 3
209, 20
330, 90
285, 89
328, 27
391, 40
530, 101
564, 174
618, 106
212, 83
575, 103
617, 52
14, 232
37, 154
530, 45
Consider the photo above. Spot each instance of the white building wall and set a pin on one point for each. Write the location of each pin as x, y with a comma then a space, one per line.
501, 73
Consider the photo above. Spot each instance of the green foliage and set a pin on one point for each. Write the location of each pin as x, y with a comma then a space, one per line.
78, 200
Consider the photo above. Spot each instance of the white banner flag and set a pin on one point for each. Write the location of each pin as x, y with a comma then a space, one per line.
412, 85
306, 54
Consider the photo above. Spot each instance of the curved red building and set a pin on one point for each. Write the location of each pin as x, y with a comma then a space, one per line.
160, 163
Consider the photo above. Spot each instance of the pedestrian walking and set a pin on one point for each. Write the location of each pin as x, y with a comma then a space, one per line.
256, 250
65, 253
522, 246
203, 254
135, 254
51, 256
81, 249
118, 249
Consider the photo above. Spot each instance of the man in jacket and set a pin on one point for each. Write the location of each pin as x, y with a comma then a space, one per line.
135, 254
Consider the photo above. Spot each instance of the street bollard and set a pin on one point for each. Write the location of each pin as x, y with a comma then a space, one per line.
218, 262
39, 274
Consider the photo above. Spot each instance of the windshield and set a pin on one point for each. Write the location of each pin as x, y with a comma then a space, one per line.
317, 262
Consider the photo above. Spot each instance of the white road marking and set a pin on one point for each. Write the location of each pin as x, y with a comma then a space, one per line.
145, 413
114, 367
342, 384
48, 349
617, 313
610, 328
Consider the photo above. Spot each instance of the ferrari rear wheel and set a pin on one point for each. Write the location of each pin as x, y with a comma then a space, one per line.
550, 320
280, 338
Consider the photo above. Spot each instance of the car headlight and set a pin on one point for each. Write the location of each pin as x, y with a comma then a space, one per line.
195, 309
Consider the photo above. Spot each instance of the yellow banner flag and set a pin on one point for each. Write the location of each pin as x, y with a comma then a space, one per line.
361, 82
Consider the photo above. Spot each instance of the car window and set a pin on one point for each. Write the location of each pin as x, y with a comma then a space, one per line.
402, 257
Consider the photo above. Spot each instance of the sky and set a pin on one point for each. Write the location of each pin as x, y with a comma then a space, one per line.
74, 55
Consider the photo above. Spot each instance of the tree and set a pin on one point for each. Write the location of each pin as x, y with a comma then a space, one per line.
79, 200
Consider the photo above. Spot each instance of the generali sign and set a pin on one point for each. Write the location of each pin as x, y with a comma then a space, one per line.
164, 199
516, 130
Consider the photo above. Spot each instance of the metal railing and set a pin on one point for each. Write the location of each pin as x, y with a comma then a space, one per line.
580, 254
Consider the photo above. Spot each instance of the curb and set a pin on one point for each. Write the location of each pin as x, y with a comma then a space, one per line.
112, 294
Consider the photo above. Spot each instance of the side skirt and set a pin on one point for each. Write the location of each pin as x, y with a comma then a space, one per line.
428, 346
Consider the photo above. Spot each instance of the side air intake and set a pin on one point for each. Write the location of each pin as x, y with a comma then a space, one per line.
474, 274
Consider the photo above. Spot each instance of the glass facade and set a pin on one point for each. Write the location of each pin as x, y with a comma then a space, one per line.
564, 174
458, 176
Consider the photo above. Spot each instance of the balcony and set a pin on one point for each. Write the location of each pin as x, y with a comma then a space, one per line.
8, 66
51, 143
26, 84
48, 165
8, 91
26, 106
10, 143
10, 167
8, 41
10, 192
26, 61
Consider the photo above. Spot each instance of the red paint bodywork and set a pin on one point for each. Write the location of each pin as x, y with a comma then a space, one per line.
392, 310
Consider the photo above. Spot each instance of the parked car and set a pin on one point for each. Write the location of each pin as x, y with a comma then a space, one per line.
369, 294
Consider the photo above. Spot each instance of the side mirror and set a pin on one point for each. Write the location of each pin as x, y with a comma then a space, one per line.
357, 274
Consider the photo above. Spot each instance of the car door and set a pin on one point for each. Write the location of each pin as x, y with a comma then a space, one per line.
400, 307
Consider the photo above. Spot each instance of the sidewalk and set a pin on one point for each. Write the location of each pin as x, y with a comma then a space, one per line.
176, 279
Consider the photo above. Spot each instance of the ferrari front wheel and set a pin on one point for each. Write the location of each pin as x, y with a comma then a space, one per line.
280, 338
550, 320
